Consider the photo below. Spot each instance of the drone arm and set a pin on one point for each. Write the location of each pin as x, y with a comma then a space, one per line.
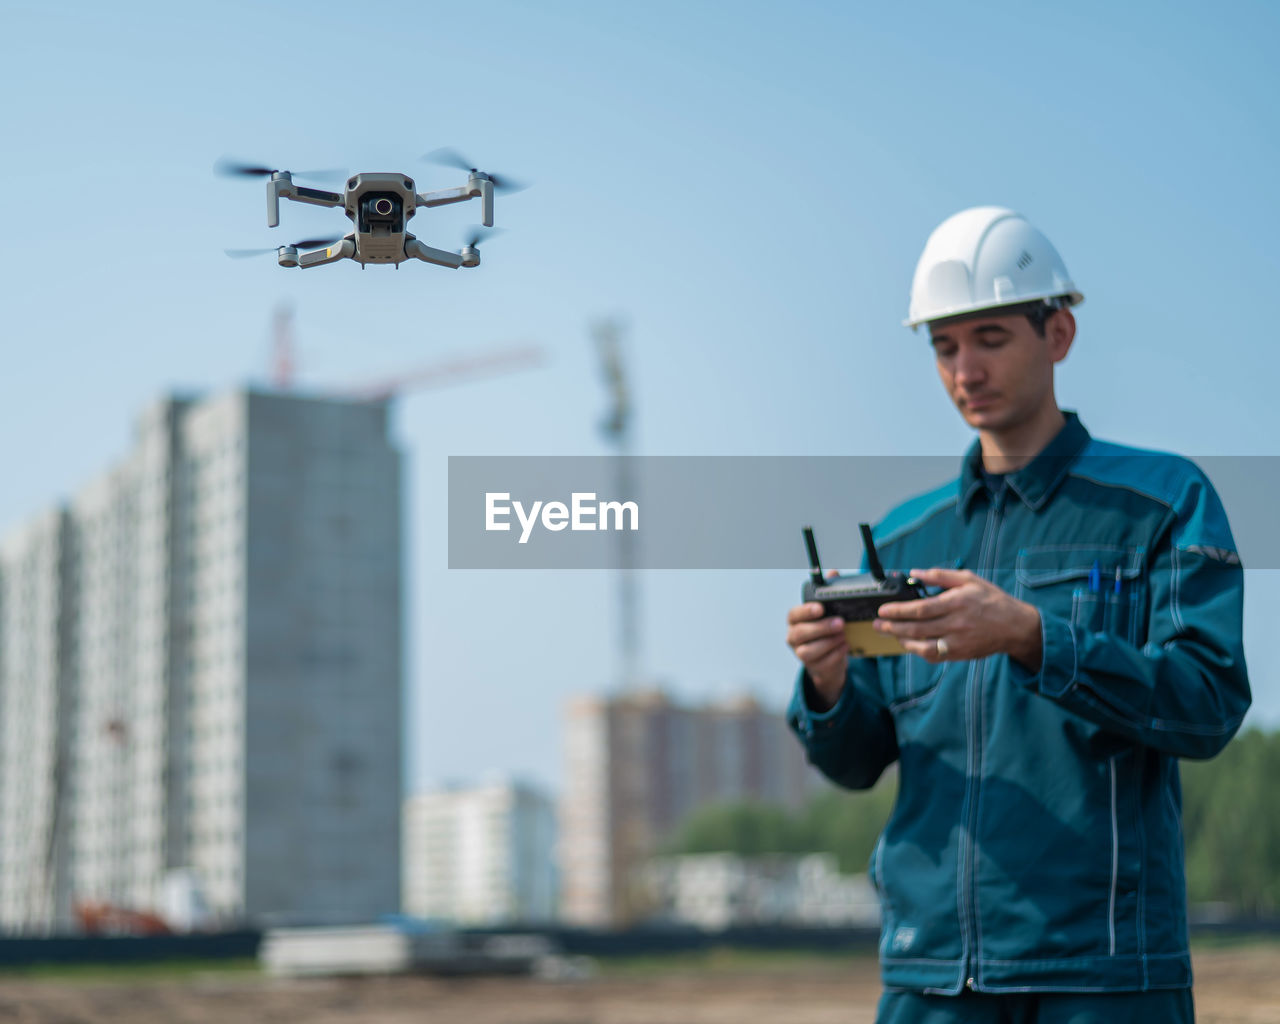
342, 250
316, 196
478, 186
445, 196
281, 186
416, 250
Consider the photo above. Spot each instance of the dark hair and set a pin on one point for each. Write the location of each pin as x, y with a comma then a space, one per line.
1039, 313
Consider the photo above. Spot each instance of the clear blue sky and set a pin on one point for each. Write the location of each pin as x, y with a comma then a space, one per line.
749, 184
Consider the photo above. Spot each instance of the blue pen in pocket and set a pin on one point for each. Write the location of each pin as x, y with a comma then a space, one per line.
1095, 578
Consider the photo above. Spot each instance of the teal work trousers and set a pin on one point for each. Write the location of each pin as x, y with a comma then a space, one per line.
1172, 1006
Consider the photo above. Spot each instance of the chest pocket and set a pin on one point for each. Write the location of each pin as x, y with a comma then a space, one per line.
1101, 588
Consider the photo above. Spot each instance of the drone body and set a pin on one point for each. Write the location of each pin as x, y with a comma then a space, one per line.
379, 206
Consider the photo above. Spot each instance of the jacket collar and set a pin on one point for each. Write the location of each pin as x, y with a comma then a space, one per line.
1035, 482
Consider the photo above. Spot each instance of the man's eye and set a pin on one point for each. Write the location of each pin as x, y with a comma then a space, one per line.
944, 351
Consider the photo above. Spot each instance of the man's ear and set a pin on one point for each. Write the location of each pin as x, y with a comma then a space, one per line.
1060, 332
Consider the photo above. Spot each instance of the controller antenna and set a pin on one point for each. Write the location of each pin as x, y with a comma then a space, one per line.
815, 567
873, 560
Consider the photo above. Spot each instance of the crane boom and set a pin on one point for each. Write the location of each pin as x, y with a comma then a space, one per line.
447, 371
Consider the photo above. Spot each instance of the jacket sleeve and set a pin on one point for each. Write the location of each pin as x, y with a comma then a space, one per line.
853, 742
1186, 690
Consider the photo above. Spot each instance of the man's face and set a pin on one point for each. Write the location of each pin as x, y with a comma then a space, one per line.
997, 369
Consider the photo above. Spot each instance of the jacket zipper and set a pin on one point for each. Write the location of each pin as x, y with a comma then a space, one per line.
1115, 863
968, 899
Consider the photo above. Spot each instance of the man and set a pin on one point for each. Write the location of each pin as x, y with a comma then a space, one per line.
1083, 634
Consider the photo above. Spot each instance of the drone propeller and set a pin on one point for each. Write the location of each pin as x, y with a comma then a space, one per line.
306, 243
452, 158
479, 235
231, 169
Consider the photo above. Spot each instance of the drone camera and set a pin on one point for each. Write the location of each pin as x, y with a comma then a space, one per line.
381, 212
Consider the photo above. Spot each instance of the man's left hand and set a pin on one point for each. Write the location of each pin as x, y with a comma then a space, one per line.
971, 618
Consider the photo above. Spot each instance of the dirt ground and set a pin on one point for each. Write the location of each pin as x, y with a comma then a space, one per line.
1233, 985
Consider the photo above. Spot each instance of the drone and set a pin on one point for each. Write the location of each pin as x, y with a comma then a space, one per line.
380, 205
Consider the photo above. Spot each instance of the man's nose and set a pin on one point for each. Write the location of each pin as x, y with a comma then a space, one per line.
970, 367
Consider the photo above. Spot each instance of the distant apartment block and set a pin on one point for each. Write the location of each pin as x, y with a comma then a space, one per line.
200, 671
636, 766
480, 855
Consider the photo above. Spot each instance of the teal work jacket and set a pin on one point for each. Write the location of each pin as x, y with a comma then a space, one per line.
1036, 841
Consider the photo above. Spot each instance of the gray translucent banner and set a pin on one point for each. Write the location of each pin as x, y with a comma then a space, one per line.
738, 512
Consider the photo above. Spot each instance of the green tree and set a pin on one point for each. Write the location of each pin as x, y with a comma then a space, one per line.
1231, 821
1230, 816
836, 821
848, 824
750, 829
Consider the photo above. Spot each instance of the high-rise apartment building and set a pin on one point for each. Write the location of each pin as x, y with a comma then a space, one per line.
636, 766
480, 855
200, 671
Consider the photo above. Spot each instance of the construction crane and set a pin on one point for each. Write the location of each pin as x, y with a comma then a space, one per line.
616, 427
447, 371
453, 370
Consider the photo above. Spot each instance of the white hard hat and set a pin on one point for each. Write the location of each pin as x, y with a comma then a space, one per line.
984, 258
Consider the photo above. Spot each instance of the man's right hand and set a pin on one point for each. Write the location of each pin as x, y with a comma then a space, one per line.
820, 645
